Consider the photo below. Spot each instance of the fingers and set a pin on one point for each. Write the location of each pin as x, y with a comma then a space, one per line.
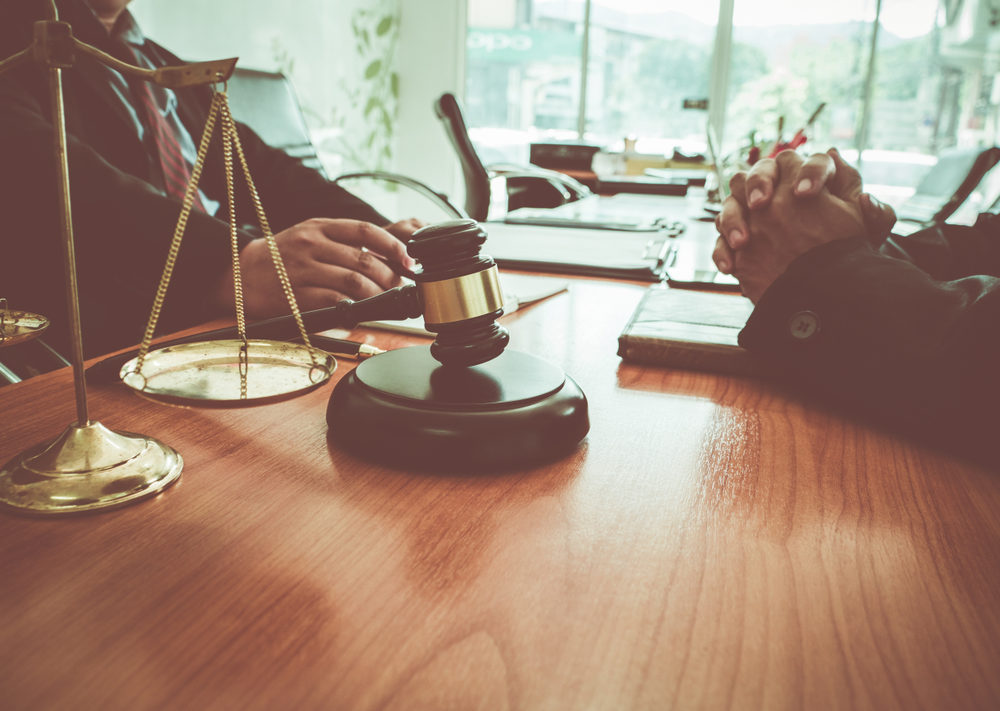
359, 234
356, 271
755, 189
760, 183
738, 187
845, 182
731, 223
404, 229
813, 175
878, 218
722, 255
338, 281
352, 258
326, 261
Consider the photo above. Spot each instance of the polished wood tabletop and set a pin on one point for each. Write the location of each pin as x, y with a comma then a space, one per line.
713, 543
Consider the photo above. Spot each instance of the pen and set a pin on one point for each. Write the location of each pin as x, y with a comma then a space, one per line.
800, 136
338, 346
107, 369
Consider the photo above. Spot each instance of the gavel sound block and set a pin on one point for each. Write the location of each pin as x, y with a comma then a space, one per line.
465, 402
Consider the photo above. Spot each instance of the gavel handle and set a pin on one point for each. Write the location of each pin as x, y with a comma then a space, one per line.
395, 304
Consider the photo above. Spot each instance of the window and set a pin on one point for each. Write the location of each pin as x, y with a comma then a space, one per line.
898, 80
525, 74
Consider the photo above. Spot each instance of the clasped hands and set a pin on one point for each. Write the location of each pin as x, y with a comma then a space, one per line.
783, 207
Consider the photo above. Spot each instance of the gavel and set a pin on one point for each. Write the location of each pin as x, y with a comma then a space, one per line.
468, 403
456, 290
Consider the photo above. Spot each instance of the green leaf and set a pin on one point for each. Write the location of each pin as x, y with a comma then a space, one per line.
372, 104
394, 84
384, 26
373, 69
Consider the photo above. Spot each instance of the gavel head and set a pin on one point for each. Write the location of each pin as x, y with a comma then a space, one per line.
459, 292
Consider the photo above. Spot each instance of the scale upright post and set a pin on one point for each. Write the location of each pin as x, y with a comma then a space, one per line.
89, 466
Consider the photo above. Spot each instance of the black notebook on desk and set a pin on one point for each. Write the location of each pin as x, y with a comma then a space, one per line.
696, 330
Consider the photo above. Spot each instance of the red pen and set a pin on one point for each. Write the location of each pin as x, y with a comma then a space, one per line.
800, 136
798, 139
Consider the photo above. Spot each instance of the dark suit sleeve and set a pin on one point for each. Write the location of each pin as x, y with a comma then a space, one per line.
123, 226
909, 336
948, 252
292, 192
122, 231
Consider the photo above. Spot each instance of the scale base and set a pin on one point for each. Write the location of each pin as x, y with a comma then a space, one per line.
406, 409
87, 468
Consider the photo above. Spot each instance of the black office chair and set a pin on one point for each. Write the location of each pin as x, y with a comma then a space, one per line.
948, 185
439, 199
267, 103
983, 164
525, 186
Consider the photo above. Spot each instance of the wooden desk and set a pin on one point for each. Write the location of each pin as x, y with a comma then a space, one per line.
712, 544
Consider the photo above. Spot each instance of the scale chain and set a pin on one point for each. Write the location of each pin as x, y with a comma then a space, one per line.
220, 111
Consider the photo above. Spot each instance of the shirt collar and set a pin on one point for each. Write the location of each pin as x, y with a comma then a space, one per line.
127, 30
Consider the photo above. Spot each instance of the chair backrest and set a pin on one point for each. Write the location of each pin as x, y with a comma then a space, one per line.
267, 103
477, 178
984, 197
948, 184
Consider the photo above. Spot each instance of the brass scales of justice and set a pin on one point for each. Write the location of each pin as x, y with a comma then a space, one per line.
88, 466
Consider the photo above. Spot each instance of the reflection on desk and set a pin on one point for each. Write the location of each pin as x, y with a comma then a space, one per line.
713, 543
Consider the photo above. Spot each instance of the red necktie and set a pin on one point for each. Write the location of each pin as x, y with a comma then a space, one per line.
176, 170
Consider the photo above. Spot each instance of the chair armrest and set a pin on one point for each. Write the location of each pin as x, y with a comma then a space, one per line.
572, 188
438, 198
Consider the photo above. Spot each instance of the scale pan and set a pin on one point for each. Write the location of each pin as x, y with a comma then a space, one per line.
209, 374
19, 326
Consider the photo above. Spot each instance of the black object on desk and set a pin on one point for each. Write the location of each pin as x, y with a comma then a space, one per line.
689, 329
465, 402
406, 409
643, 185
562, 156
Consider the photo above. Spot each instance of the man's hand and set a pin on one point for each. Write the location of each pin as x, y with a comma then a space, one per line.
327, 260
791, 224
404, 229
754, 190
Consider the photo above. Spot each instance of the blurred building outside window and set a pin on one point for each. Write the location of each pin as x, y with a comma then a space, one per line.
899, 80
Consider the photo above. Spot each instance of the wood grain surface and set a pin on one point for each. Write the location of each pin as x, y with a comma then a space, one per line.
713, 543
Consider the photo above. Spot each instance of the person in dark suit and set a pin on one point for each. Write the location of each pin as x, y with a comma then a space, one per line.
125, 200
904, 330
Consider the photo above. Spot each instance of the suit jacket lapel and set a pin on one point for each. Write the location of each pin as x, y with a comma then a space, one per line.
93, 75
192, 113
